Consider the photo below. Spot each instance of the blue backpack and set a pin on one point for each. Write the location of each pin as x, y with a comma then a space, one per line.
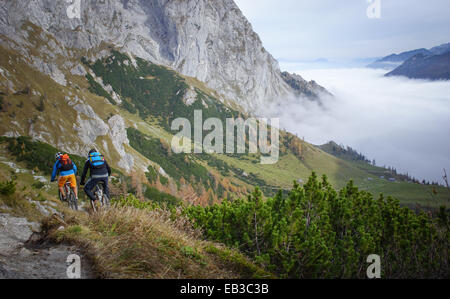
97, 160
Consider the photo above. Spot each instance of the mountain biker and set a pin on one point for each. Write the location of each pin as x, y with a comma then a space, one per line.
67, 172
99, 172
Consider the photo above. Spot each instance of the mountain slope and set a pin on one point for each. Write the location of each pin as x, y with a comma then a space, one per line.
394, 60
130, 124
436, 67
442, 49
302, 87
209, 40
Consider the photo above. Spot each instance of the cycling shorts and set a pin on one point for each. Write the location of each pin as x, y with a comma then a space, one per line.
71, 178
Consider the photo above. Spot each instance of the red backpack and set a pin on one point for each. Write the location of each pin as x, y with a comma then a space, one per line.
66, 163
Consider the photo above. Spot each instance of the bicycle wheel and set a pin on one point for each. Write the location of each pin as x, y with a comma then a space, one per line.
106, 201
93, 205
61, 198
101, 196
74, 202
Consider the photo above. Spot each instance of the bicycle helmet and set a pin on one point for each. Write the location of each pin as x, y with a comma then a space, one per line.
92, 151
58, 155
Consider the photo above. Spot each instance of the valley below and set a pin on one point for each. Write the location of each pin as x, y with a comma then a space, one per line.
399, 122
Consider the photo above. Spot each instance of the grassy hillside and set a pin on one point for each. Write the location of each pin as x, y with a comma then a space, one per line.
300, 234
410, 193
130, 243
379, 180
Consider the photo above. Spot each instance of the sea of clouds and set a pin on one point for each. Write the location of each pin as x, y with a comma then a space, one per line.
397, 121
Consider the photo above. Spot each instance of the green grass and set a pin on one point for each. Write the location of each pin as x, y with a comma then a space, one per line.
409, 193
290, 168
161, 198
8, 188
98, 89
37, 155
19, 202
177, 166
139, 243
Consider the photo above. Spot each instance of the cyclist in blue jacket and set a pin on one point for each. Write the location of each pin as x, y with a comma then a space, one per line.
99, 172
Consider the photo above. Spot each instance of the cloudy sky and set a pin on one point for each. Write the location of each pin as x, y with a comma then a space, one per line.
302, 30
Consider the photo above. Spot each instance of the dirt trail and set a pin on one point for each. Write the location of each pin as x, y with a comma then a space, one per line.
22, 258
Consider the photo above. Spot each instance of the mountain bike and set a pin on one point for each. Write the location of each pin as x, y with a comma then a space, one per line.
70, 197
102, 198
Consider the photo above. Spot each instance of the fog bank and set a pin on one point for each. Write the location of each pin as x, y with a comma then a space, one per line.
396, 121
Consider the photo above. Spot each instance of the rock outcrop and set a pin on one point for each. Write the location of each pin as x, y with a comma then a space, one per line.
119, 139
20, 258
302, 87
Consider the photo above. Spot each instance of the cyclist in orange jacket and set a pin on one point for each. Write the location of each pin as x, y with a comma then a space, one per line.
67, 171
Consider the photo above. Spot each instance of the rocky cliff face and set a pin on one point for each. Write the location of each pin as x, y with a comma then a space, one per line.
206, 39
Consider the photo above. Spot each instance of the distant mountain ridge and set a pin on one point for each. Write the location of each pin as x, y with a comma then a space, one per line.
393, 61
435, 67
342, 152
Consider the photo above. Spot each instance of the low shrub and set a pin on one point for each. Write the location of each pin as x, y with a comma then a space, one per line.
8, 188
